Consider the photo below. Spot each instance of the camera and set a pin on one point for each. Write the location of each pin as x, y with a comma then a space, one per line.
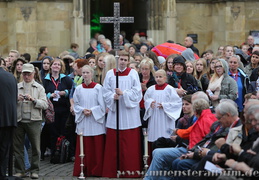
25, 97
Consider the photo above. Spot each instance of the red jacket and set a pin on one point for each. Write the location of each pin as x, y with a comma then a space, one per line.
199, 129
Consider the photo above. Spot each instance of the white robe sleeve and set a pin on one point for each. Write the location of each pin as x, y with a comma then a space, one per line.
133, 96
108, 92
79, 115
98, 111
147, 103
173, 106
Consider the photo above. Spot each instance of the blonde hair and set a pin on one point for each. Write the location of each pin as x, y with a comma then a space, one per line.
63, 68
196, 74
192, 63
110, 63
16, 52
162, 71
215, 75
149, 62
89, 68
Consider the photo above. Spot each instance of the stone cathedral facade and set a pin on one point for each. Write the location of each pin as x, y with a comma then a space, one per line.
27, 25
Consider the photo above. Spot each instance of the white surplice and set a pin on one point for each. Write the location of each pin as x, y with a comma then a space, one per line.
89, 98
161, 121
129, 110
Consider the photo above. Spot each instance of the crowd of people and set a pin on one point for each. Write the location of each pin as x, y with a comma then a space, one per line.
195, 110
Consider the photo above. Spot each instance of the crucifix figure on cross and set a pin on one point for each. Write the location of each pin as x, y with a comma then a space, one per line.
116, 20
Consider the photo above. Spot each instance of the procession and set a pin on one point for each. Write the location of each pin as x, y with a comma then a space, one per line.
131, 109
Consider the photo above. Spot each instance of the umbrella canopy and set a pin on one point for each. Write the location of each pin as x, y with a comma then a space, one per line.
167, 49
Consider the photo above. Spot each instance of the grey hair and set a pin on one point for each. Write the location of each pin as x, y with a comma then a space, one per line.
108, 42
252, 109
227, 107
257, 116
190, 38
199, 105
235, 56
92, 41
229, 101
101, 36
200, 94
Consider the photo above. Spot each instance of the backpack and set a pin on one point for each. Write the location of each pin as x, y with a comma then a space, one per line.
61, 154
49, 113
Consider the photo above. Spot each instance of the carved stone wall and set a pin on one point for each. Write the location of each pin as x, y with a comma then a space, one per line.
28, 25
217, 23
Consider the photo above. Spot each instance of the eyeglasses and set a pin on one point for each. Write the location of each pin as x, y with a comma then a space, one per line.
217, 67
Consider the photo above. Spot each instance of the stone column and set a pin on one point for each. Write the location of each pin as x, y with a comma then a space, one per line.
161, 20
87, 24
170, 20
77, 28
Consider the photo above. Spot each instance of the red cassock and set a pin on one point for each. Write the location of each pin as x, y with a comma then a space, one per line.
93, 160
130, 154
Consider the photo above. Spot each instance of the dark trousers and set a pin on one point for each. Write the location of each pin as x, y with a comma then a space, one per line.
6, 140
57, 128
44, 139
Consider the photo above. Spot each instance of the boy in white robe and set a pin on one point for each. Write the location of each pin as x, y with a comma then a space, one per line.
89, 108
129, 95
163, 108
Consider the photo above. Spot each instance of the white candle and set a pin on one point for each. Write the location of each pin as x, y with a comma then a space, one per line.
146, 145
81, 144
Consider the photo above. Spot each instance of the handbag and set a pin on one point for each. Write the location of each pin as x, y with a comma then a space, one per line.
49, 113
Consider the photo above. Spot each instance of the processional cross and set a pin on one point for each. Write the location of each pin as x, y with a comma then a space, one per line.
116, 20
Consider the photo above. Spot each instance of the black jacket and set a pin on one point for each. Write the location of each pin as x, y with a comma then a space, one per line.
194, 49
188, 83
8, 96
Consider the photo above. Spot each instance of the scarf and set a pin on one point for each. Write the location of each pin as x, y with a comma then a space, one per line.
215, 87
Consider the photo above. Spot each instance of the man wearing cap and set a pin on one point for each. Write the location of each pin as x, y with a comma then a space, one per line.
31, 101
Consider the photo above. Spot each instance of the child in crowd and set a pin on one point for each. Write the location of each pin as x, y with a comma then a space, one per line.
163, 107
89, 110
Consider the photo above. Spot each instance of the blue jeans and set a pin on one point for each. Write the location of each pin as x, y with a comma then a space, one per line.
183, 165
162, 162
26, 159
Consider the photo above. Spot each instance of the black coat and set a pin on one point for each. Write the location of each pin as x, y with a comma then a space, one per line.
8, 99
188, 83
150, 82
194, 49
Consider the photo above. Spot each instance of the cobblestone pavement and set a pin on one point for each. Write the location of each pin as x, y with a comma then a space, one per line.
64, 171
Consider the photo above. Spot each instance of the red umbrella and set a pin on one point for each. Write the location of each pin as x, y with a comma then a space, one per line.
167, 49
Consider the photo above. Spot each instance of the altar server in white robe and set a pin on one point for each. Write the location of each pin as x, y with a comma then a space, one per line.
129, 95
89, 108
163, 108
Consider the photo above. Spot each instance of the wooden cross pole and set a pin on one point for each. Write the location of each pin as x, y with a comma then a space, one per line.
116, 20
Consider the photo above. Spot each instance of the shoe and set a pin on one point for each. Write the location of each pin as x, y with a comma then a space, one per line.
20, 175
47, 152
34, 176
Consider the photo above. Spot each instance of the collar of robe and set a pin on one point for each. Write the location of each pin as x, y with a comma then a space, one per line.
160, 87
91, 85
124, 73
